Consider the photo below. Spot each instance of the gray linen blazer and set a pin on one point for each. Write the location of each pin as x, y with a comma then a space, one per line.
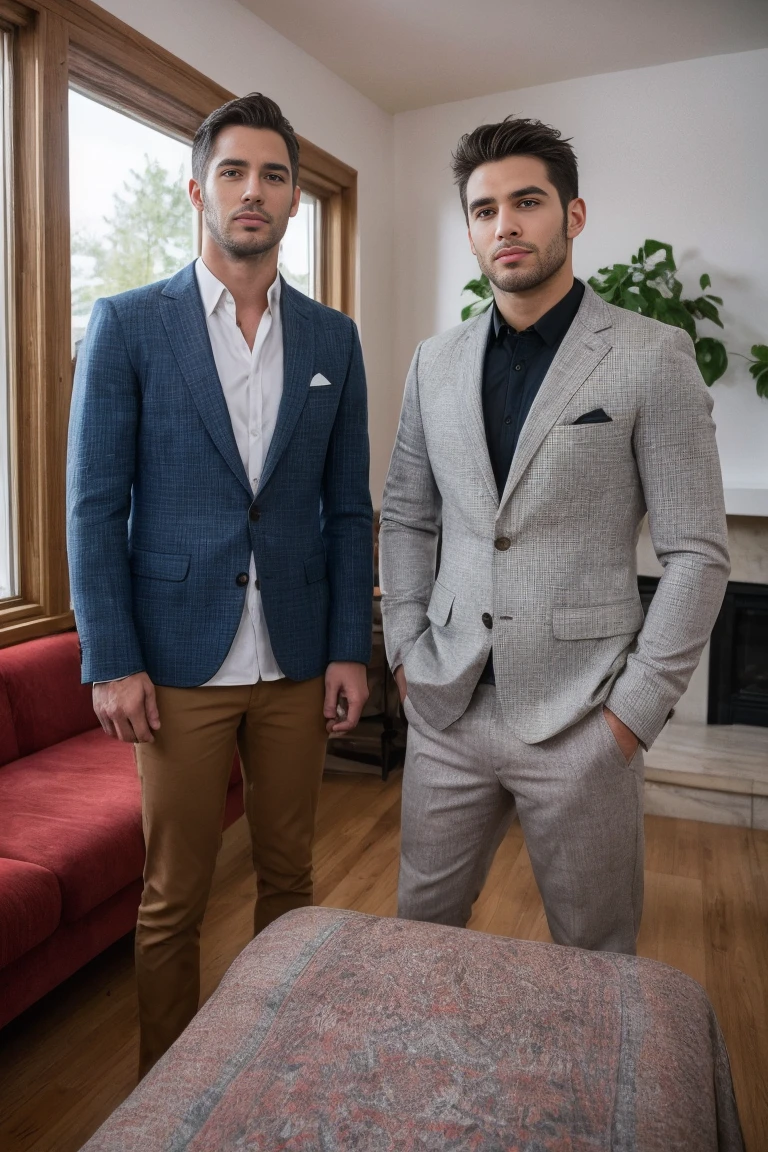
552, 565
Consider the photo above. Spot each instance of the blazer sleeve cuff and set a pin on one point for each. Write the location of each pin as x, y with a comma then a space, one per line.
99, 666
350, 654
641, 702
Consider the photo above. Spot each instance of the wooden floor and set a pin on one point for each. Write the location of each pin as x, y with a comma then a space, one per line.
71, 1059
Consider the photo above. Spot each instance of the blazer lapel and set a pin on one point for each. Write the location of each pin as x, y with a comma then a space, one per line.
585, 344
181, 310
298, 361
469, 369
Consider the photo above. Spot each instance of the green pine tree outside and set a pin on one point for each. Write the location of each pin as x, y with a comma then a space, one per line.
148, 238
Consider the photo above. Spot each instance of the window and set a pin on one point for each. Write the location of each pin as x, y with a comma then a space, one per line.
84, 95
8, 573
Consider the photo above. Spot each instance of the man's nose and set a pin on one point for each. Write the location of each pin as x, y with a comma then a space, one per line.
252, 195
507, 225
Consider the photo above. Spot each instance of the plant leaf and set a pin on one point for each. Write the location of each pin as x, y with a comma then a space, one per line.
672, 312
476, 308
717, 299
760, 373
479, 287
702, 309
711, 358
760, 352
705, 281
667, 264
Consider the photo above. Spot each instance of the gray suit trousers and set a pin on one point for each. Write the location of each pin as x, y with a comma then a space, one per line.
579, 802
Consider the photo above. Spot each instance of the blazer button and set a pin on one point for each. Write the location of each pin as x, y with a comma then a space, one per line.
487, 619
254, 513
241, 579
502, 543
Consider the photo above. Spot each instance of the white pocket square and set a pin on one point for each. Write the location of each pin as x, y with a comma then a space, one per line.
319, 381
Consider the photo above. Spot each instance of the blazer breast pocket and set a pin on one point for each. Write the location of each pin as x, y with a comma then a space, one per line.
320, 381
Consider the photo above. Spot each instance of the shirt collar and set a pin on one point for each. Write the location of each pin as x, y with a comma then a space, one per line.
554, 324
212, 291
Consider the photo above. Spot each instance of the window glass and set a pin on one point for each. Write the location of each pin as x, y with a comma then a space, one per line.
298, 251
131, 219
8, 565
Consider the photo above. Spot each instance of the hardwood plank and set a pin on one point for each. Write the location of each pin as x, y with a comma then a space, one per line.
672, 929
736, 925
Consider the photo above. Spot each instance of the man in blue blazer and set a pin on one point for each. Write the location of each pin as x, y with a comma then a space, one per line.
220, 551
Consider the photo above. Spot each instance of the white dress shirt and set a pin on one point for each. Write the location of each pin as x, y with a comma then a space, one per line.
252, 382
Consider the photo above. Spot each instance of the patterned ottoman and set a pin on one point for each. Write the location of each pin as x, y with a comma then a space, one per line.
336, 1031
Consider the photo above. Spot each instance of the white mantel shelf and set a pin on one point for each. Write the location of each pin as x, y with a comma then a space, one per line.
746, 501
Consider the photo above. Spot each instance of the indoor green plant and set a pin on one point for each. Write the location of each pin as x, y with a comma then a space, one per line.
649, 285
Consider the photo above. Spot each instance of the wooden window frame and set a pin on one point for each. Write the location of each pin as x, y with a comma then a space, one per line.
60, 44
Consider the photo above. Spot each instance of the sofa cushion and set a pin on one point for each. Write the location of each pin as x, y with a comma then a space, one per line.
30, 907
75, 809
48, 703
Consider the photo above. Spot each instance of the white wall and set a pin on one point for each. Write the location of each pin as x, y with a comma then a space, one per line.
675, 152
233, 47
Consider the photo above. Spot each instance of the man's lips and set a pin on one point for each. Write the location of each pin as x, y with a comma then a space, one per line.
251, 218
511, 255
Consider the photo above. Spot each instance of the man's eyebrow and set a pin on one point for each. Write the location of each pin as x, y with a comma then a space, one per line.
483, 202
489, 201
530, 190
269, 166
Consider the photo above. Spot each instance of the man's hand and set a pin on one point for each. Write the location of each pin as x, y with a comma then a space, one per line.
625, 737
402, 686
346, 691
127, 709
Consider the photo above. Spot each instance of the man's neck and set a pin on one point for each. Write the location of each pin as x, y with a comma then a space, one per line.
248, 280
521, 310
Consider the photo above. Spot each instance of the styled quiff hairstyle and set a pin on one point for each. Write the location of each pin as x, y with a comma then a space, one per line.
251, 111
517, 137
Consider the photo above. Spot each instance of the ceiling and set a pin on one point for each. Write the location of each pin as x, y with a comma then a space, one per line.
407, 54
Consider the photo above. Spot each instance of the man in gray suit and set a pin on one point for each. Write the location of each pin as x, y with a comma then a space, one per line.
532, 442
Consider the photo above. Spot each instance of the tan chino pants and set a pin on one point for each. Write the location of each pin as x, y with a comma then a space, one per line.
279, 730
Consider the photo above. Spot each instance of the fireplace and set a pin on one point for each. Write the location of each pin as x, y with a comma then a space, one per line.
738, 655
738, 660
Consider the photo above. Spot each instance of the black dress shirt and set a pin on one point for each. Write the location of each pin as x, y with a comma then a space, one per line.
515, 366
514, 370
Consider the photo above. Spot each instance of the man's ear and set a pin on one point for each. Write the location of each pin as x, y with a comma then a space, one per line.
196, 194
296, 201
577, 218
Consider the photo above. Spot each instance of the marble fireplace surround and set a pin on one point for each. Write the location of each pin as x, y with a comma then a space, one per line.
748, 543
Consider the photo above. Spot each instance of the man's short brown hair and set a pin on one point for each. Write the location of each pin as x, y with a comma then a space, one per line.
517, 136
251, 111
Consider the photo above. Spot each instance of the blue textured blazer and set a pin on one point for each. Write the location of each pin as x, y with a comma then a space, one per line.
161, 517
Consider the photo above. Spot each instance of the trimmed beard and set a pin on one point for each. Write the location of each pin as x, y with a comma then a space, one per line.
256, 245
548, 262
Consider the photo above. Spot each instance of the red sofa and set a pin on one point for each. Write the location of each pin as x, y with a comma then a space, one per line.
71, 846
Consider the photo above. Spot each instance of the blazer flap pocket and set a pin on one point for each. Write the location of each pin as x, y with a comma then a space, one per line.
590, 623
315, 568
159, 565
440, 604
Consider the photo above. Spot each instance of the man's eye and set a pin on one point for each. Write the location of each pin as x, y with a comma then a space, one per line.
523, 203
482, 213
230, 172
276, 176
